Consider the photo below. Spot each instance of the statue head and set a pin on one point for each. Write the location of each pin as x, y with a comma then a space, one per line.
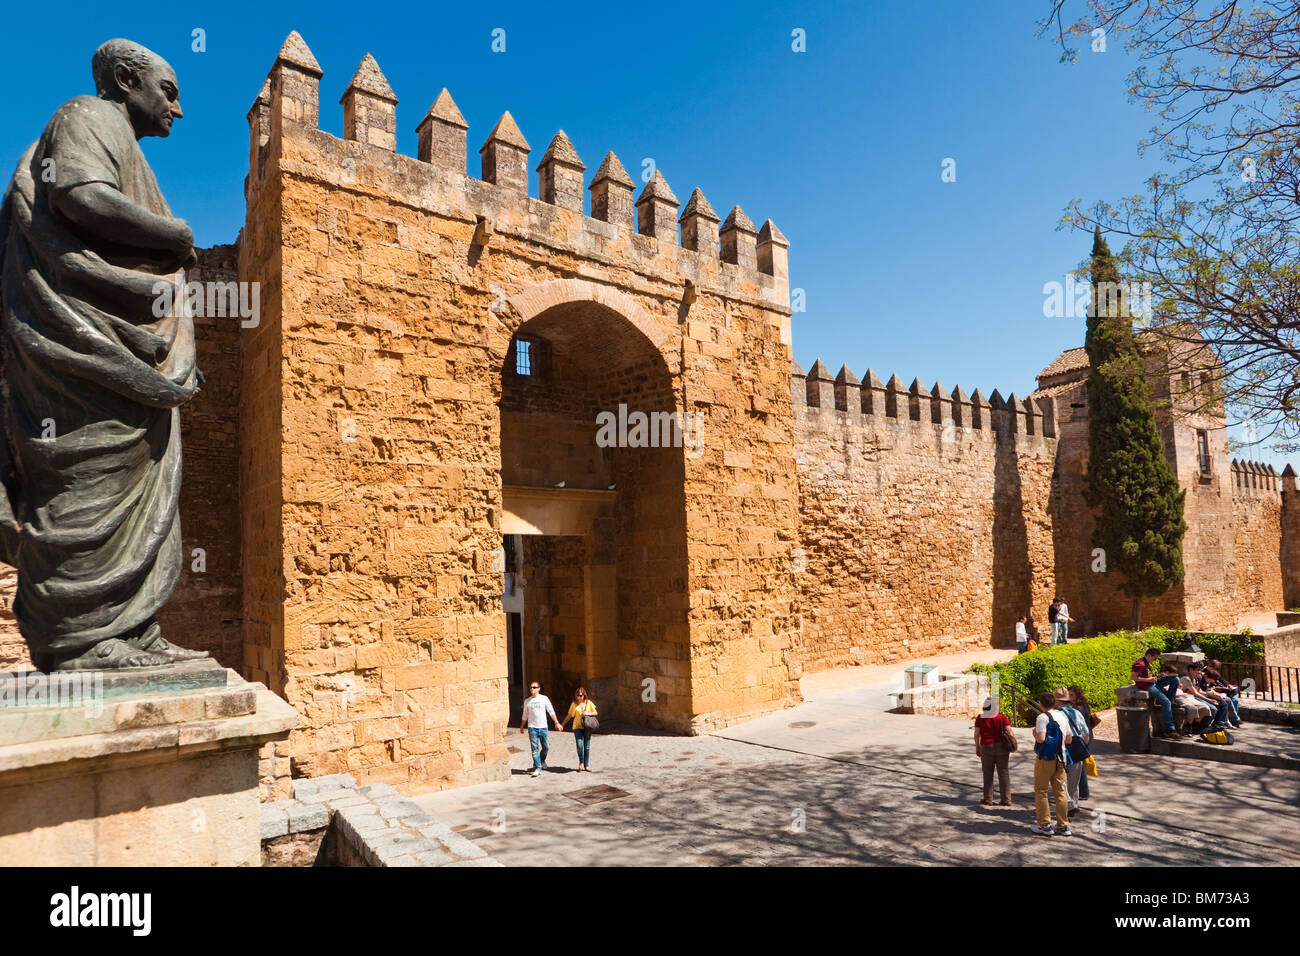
142, 82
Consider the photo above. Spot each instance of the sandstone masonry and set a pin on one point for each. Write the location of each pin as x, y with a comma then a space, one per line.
404, 512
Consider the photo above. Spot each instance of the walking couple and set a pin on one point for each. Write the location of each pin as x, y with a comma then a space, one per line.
537, 710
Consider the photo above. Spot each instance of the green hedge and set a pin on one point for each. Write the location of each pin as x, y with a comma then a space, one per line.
1102, 664
1099, 665
1229, 648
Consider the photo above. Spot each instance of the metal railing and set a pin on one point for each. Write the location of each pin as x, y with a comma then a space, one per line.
1018, 704
1265, 682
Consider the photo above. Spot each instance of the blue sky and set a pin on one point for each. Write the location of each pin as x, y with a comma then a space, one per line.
841, 145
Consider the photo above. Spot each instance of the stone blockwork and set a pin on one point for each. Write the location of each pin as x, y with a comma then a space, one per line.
1094, 598
924, 516
13, 650
1240, 544
426, 375
274, 771
1259, 553
331, 821
1282, 649
374, 439
931, 521
205, 610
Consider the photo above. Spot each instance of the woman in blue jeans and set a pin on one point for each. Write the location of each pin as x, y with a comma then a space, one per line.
581, 706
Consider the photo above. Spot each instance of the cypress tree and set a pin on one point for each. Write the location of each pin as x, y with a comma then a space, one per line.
1130, 485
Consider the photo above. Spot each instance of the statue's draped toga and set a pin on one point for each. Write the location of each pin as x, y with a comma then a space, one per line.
92, 381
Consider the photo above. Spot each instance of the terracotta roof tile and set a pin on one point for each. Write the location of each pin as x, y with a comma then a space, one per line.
1071, 360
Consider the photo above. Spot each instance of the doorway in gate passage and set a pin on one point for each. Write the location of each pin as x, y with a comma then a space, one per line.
600, 532
512, 602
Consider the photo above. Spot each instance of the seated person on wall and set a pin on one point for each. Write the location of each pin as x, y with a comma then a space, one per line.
1166, 686
1217, 702
1198, 715
1160, 695
1223, 704
1213, 680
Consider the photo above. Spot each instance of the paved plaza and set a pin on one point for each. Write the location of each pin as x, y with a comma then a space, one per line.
840, 780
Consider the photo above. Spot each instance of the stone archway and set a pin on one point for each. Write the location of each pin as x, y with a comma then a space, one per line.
603, 526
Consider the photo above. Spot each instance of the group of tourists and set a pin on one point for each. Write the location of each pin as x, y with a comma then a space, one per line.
1062, 758
1206, 701
1058, 620
1203, 700
538, 715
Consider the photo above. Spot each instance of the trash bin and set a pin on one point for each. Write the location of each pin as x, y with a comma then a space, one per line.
1134, 729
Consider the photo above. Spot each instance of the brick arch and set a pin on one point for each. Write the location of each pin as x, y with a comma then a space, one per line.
559, 292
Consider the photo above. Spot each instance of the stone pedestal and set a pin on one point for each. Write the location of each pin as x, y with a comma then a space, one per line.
1181, 659
157, 767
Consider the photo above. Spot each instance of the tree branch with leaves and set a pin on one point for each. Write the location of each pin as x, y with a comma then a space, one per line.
1215, 233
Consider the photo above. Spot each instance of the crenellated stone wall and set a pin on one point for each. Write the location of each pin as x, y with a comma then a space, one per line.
1257, 520
924, 516
377, 438
359, 451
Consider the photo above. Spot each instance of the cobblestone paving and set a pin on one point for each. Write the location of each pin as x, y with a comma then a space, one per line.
840, 781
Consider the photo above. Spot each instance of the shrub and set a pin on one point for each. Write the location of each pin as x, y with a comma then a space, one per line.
1102, 664
1231, 648
1099, 665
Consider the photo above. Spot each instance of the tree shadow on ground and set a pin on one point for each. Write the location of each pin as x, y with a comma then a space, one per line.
877, 805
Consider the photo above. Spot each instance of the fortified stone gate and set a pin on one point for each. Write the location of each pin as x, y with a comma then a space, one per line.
419, 407
476, 439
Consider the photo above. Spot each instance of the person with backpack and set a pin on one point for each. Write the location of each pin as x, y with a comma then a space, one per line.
1077, 747
1052, 610
1052, 737
992, 747
1080, 702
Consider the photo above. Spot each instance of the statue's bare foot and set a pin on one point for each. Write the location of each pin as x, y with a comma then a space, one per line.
112, 654
152, 642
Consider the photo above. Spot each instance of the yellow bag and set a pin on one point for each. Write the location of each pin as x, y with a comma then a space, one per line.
1090, 766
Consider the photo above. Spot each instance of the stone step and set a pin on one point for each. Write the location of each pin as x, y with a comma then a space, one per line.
1278, 750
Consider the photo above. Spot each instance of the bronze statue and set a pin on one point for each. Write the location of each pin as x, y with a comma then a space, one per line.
92, 377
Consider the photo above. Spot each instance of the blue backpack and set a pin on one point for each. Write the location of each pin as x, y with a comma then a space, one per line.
1077, 749
1052, 746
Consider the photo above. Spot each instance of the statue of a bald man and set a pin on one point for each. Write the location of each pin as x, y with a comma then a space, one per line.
92, 378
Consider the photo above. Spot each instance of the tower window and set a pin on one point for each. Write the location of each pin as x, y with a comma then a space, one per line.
1203, 450
529, 356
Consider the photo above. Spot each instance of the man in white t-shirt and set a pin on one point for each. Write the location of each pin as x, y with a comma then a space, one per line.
1022, 635
1049, 772
537, 707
